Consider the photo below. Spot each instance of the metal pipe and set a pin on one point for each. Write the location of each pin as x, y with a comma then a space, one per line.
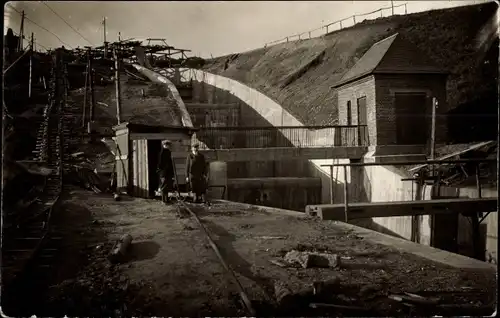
406, 163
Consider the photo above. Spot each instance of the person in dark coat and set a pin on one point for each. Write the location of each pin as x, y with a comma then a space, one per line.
166, 171
196, 173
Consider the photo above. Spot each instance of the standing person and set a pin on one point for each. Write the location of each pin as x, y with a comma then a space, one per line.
197, 173
165, 171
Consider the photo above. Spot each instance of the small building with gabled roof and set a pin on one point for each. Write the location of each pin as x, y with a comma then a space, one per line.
137, 152
390, 89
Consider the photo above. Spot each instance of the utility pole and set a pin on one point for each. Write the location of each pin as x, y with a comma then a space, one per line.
433, 131
392, 6
117, 83
91, 82
433, 127
21, 33
105, 43
32, 47
85, 95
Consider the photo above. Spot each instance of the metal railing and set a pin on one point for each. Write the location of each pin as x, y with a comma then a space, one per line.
343, 23
282, 137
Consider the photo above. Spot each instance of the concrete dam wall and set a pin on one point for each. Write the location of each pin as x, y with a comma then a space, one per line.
366, 184
256, 109
290, 184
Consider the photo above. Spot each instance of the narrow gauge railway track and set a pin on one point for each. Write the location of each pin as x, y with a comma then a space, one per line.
30, 241
244, 297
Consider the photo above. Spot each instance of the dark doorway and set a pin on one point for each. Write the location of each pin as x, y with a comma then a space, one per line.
154, 147
362, 117
411, 123
349, 113
362, 121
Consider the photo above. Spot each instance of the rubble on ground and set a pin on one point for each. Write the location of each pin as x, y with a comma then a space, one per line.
91, 166
311, 259
119, 251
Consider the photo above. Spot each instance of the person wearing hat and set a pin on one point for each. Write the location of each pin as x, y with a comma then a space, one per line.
197, 173
165, 171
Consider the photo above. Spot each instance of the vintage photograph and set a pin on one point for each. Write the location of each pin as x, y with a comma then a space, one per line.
250, 158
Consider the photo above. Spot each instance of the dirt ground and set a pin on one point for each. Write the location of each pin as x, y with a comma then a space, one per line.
172, 270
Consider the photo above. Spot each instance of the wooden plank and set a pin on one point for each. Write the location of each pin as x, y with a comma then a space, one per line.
158, 136
123, 170
402, 208
134, 167
140, 157
146, 167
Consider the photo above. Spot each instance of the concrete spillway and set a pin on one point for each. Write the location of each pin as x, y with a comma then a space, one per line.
157, 78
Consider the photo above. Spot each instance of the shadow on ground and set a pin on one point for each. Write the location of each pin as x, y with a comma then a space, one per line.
224, 241
140, 251
30, 293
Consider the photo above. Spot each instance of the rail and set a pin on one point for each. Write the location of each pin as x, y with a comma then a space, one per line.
51, 146
282, 136
341, 24
243, 294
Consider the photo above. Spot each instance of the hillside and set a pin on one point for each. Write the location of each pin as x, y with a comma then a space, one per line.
142, 102
299, 74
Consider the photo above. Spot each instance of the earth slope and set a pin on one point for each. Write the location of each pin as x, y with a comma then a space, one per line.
299, 74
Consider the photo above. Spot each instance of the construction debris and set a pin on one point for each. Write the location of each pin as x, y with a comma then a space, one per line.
278, 262
273, 237
343, 307
330, 287
120, 249
413, 299
283, 294
288, 300
310, 259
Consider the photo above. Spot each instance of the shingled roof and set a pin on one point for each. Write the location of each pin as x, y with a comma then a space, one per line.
393, 55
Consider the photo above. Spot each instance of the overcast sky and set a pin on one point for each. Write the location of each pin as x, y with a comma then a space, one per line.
207, 28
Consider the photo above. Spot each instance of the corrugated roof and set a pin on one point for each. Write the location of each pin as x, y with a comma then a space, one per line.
391, 55
457, 151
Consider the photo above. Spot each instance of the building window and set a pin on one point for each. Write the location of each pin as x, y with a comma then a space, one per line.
349, 113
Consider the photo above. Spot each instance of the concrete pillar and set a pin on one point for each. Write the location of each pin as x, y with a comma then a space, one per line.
357, 191
218, 177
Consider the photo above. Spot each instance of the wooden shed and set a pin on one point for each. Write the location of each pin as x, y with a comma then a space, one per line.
138, 148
